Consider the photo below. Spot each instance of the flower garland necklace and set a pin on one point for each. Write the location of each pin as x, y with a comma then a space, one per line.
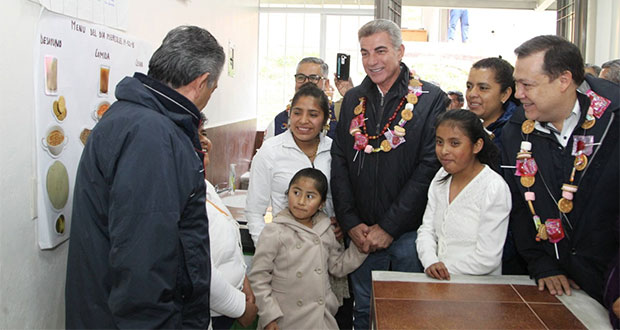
393, 138
526, 168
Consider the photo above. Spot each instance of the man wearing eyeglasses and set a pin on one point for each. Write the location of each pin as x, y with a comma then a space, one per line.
314, 70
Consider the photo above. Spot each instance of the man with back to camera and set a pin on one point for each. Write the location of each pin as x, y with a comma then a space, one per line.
139, 248
383, 159
314, 70
563, 140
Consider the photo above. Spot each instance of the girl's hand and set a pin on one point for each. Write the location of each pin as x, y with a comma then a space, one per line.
247, 290
438, 270
337, 229
273, 325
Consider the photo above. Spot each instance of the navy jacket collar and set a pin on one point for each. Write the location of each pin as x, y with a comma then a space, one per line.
177, 107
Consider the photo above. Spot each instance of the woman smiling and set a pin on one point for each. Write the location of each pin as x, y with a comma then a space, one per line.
302, 145
490, 94
280, 157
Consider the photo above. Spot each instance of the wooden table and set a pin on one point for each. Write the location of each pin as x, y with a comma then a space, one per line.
413, 300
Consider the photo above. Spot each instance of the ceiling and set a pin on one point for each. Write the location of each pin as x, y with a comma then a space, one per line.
497, 4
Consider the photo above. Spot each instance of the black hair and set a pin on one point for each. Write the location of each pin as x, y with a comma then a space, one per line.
312, 90
320, 181
560, 55
503, 75
471, 126
459, 96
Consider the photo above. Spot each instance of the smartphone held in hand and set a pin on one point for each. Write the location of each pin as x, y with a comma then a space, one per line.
342, 67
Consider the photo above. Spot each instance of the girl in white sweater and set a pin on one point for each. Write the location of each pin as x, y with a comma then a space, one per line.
466, 218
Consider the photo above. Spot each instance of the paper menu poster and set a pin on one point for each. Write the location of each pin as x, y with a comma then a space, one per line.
77, 65
112, 13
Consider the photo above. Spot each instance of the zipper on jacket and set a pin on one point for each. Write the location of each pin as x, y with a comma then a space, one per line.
379, 114
379, 119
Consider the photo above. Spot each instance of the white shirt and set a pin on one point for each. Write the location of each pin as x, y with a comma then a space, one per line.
468, 234
567, 127
227, 264
272, 169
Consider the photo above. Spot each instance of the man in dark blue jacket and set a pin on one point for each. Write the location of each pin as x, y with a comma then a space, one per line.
563, 140
383, 160
139, 248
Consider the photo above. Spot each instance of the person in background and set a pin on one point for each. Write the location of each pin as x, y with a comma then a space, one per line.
231, 294
456, 100
563, 141
592, 69
383, 160
314, 70
205, 142
294, 255
139, 249
611, 71
611, 294
490, 94
455, 16
302, 145
466, 217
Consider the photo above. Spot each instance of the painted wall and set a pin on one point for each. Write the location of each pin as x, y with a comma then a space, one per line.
32, 281
603, 36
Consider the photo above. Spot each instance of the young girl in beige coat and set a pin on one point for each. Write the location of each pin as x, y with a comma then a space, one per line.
293, 257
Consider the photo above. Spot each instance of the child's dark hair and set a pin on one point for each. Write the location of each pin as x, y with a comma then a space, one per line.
503, 75
310, 89
471, 126
320, 181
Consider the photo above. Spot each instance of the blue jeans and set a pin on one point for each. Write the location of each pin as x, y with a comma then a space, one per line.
455, 16
401, 256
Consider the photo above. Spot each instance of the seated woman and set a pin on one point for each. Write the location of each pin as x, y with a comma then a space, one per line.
231, 296
466, 218
490, 94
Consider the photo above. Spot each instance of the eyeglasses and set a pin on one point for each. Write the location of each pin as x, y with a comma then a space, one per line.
313, 78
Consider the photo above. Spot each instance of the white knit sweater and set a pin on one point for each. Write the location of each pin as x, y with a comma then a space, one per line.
468, 234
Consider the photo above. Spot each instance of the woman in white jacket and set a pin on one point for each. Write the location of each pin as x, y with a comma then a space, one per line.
301, 146
231, 297
466, 218
281, 156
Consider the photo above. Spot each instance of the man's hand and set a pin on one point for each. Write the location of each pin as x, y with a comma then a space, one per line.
438, 270
343, 86
557, 285
273, 325
247, 290
337, 229
358, 236
249, 315
378, 238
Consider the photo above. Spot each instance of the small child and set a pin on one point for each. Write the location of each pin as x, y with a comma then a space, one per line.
464, 226
293, 256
